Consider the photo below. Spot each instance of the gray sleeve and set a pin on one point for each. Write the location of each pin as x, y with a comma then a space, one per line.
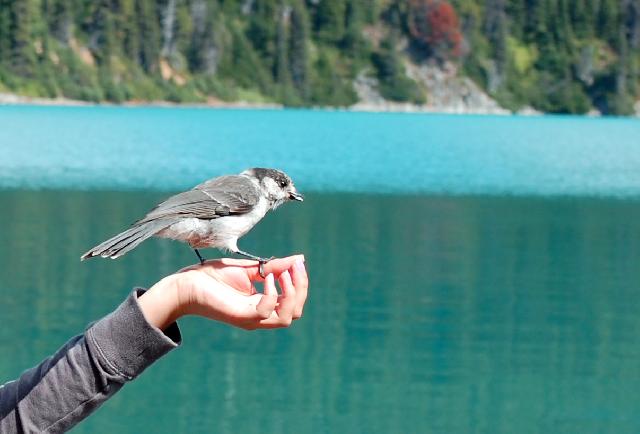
68, 386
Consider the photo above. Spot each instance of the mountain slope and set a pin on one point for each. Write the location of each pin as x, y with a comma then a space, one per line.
553, 55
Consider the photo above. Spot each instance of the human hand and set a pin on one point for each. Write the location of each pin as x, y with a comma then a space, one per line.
224, 290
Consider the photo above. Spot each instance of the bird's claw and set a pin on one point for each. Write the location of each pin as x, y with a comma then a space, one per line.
261, 263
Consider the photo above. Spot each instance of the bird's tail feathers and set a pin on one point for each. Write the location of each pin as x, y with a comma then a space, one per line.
128, 240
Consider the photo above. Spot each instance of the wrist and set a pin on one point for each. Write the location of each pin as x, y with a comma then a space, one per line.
162, 304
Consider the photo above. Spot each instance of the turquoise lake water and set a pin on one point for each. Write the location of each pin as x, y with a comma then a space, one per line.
468, 274
173, 149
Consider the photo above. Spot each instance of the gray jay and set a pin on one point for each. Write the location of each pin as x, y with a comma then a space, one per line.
213, 214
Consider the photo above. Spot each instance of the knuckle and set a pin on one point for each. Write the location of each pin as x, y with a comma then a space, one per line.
262, 314
286, 321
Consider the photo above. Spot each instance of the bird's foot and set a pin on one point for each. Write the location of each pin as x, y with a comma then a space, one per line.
199, 256
261, 263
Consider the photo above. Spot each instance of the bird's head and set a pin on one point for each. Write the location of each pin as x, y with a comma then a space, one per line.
276, 184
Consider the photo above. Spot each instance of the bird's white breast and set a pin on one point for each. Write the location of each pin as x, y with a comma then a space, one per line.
222, 232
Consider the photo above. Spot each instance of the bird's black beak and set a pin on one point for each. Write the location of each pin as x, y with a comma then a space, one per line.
294, 195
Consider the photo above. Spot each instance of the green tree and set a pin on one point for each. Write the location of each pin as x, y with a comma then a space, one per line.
205, 48
608, 20
5, 32
149, 33
495, 26
102, 33
353, 43
282, 74
23, 55
394, 84
128, 27
244, 65
329, 86
262, 29
298, 51
329, 21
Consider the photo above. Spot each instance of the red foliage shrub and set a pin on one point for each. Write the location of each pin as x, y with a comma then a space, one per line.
434, 25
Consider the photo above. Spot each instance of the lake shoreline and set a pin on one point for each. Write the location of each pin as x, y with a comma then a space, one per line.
9, 99
12, 99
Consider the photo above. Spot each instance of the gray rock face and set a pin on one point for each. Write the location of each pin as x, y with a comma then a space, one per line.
447, 92
367, 89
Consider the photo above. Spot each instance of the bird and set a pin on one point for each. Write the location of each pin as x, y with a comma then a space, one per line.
215, 213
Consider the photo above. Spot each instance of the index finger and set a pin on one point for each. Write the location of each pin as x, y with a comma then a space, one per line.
275, 266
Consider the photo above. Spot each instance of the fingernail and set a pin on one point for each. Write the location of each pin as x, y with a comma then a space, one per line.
299, 264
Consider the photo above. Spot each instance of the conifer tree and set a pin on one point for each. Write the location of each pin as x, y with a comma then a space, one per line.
262, 30
281, 70
5, 32
204, 51
298, 52
149, 34
23, 55
330, 20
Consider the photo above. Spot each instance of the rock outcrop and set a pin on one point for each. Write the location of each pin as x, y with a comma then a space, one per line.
447, 92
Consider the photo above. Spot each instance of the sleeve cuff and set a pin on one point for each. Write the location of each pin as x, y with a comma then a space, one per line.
126, 343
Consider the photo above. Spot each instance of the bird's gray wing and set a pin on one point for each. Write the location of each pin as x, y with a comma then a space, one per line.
219, 197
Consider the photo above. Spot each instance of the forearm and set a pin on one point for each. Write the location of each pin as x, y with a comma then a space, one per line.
85, 372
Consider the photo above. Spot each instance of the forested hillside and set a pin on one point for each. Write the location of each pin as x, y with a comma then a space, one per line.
564, 56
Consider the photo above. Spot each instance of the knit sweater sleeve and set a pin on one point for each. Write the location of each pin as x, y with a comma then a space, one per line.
86, 371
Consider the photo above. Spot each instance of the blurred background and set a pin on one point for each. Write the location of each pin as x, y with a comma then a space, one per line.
475, 272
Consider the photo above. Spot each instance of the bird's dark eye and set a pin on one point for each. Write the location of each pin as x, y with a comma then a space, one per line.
283, 183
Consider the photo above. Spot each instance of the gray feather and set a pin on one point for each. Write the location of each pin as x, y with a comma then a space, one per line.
123, 242
220, 197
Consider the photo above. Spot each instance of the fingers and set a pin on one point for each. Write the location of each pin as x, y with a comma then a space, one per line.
301, 284
271, 311
287, 302
294, 284
267, 303
229, 295
289, 306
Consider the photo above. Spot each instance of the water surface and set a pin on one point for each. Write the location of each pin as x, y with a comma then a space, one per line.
426, 314
492, 288
176, 148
